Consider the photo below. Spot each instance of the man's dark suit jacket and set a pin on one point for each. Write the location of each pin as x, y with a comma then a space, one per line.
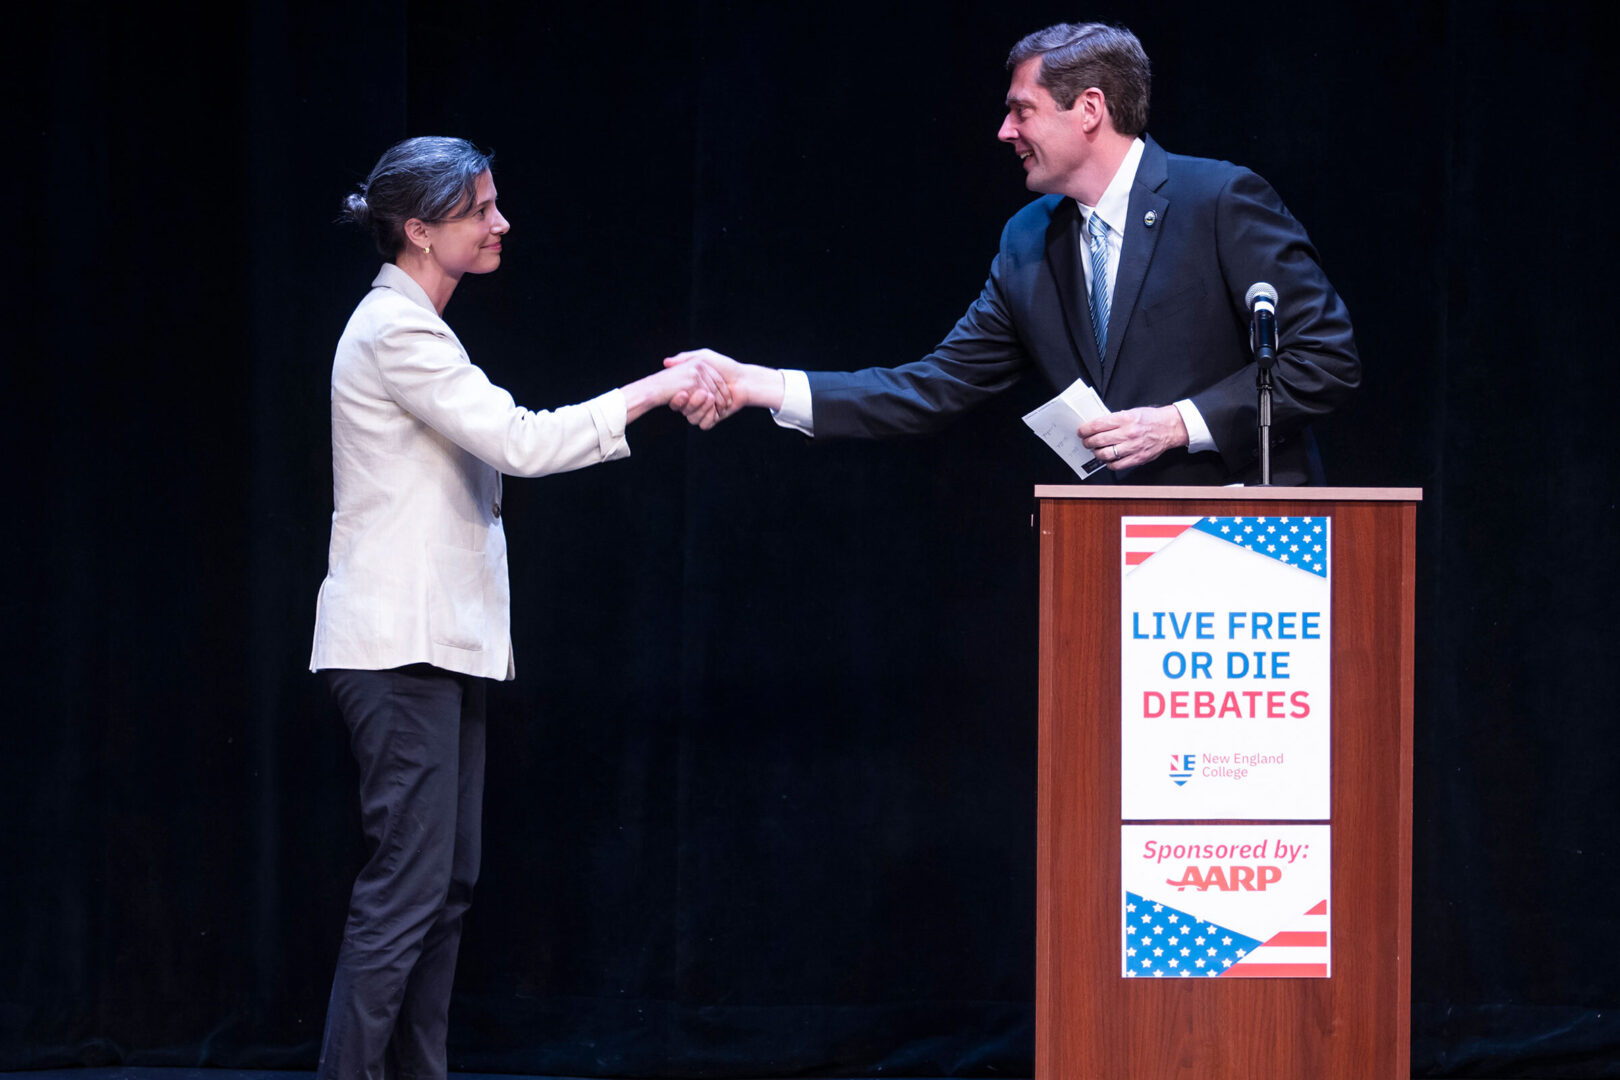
1178, 326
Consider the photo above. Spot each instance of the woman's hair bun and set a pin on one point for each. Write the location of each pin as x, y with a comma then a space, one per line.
356, 209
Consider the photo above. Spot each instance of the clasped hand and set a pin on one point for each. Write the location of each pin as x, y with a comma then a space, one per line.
745, 385
695, 390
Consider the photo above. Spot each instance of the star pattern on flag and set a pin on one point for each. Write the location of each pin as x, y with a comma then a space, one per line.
1164, 942
1296, 541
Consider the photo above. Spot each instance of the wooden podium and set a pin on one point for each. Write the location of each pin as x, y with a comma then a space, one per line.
1090, 1022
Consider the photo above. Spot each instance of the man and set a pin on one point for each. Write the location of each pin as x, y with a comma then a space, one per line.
1130, 271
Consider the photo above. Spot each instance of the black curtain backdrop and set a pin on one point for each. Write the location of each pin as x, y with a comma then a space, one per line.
761, 800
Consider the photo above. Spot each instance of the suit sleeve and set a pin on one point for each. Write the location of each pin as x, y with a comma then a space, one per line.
981, 357
428, 375
1317, 364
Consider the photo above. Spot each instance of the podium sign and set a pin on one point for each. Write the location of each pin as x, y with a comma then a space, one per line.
1226, 901
1225, 642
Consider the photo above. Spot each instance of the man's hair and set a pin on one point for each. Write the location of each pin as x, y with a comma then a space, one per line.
1075, 57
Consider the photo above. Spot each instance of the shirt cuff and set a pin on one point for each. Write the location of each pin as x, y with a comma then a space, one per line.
1198, 437
795, 410
608, 413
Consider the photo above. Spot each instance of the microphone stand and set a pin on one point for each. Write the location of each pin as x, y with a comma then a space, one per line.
1263, 384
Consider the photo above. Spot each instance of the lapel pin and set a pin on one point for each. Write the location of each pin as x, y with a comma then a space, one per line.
1149, 218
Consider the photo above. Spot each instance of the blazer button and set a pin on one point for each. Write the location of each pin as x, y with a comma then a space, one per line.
495, 508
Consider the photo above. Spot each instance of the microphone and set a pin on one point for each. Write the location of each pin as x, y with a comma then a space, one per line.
1262, 303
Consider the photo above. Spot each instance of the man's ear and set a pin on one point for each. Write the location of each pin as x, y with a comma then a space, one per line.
1093, 109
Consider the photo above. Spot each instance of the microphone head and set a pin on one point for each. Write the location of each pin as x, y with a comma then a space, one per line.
1261, 292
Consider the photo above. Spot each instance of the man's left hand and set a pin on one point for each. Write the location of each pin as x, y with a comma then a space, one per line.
1124, 440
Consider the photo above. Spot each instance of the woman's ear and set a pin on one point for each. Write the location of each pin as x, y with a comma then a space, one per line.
417, 235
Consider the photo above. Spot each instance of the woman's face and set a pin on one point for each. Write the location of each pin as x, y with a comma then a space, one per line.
471, 244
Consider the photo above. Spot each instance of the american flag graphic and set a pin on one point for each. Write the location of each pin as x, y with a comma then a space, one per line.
1296, 541
1299, 952
1162, 941
1145, 536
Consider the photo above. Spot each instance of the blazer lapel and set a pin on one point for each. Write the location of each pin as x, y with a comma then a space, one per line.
1140, 240
1063, 254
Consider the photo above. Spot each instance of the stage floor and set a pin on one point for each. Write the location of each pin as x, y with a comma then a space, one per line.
267, 1074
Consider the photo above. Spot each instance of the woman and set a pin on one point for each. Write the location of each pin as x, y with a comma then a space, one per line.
414, 614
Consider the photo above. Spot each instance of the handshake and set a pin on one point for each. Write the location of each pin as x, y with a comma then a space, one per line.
705, 387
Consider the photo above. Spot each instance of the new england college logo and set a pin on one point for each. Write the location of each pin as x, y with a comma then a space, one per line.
1181, 767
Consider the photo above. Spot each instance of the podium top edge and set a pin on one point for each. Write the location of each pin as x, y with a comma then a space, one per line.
1246, 494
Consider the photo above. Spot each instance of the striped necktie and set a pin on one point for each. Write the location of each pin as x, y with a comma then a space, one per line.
1097, 232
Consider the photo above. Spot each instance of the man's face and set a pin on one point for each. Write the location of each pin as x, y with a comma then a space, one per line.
1051, 142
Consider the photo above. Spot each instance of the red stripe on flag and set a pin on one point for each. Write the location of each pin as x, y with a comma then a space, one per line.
1156, 530
1319, 909
1304, 939
1137, 558
1275, 971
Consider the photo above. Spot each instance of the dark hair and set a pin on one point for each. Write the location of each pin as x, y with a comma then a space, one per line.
1075, 58
431, 177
